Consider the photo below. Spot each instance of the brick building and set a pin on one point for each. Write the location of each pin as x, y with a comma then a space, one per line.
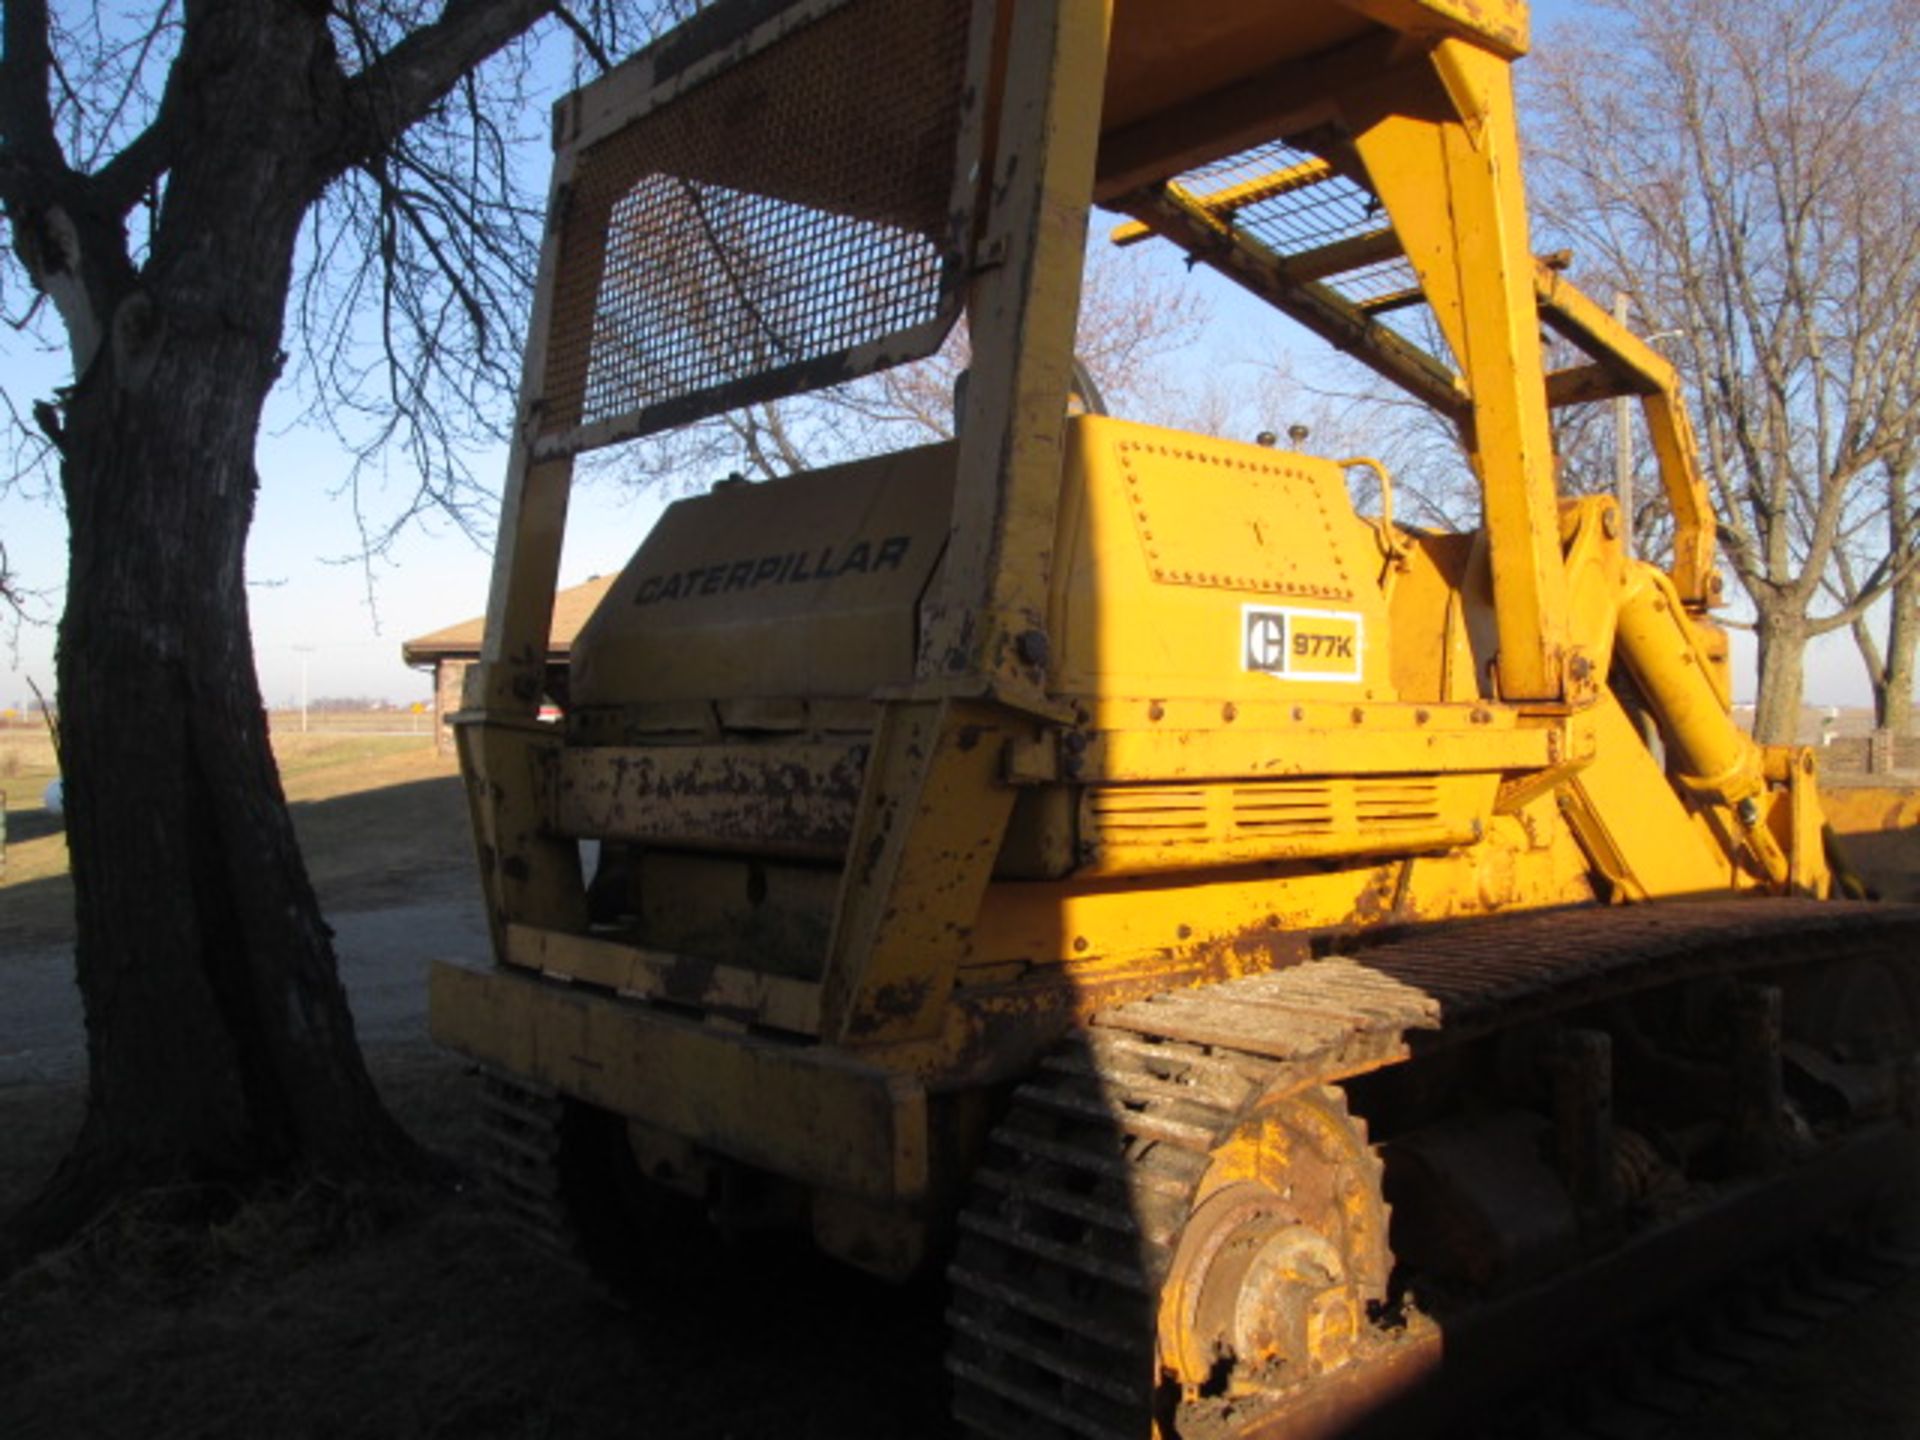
452, 652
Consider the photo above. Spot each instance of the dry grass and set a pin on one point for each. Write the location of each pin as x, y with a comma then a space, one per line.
379, 817
351, 722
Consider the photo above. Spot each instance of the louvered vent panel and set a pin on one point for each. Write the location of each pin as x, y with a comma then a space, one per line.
1288, 808
1127, 829
1149, 812
1396, 804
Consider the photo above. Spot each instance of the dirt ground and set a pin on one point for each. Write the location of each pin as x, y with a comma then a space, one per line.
422, 1315
440, 1323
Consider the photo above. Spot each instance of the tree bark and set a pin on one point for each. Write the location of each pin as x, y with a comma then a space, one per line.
1893, 693
1783, 647
219, 1041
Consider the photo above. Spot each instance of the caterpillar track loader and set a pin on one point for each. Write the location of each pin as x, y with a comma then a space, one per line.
1277, 963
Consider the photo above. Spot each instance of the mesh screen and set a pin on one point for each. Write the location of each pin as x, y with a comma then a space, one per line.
1308, 218
786, 224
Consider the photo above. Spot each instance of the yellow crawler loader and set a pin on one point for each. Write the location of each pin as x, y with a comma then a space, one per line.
1267, 956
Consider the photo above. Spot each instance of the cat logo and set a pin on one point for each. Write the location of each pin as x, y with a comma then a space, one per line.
1302, 644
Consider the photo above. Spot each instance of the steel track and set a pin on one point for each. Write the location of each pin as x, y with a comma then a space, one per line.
1069, 1232
1663, 1383
518, 1162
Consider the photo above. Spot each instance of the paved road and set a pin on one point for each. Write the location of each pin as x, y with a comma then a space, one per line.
383, 960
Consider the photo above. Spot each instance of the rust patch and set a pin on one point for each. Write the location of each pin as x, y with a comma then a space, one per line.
898, 1000
1265, 945
686, 979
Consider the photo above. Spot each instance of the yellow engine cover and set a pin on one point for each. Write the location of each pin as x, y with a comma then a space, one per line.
801, 588
1206, 569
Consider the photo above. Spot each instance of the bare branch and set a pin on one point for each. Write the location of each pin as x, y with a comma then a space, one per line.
581, 33
398, 88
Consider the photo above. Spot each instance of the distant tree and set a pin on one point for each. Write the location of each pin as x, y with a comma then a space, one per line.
1891, 668
1133, 320
10, 598
1743, 169
1351, 411
207, 192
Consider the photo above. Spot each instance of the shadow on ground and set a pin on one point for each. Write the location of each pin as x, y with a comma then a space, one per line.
385, 846
25, 825
445, 1324
1888, 860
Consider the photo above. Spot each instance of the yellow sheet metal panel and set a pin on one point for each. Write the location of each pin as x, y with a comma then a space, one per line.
1633, 825
930, 825
1164, 55
1502, 26
1199, 567
1320, 740
799, 1111
803, 586
1257, 912
1442, 619
733, 991
526, 872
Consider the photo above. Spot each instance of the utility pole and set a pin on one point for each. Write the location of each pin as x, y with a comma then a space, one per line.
304, 651
1623, 446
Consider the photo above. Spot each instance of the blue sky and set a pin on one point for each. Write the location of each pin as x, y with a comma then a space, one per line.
317, 608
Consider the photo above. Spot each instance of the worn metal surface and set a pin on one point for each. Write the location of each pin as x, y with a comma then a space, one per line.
798, 590
1463, 980
1110, 1156
1022, 311
929, 826
800, 1111
773, 798
732, 992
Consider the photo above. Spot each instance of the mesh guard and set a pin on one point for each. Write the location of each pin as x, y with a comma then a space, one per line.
799, 216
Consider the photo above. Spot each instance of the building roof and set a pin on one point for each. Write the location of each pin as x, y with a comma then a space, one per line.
571, 607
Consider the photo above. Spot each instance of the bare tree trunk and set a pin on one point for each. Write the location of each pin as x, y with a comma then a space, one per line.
1783, 647
219, 1041
1893, 691
1893, 677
